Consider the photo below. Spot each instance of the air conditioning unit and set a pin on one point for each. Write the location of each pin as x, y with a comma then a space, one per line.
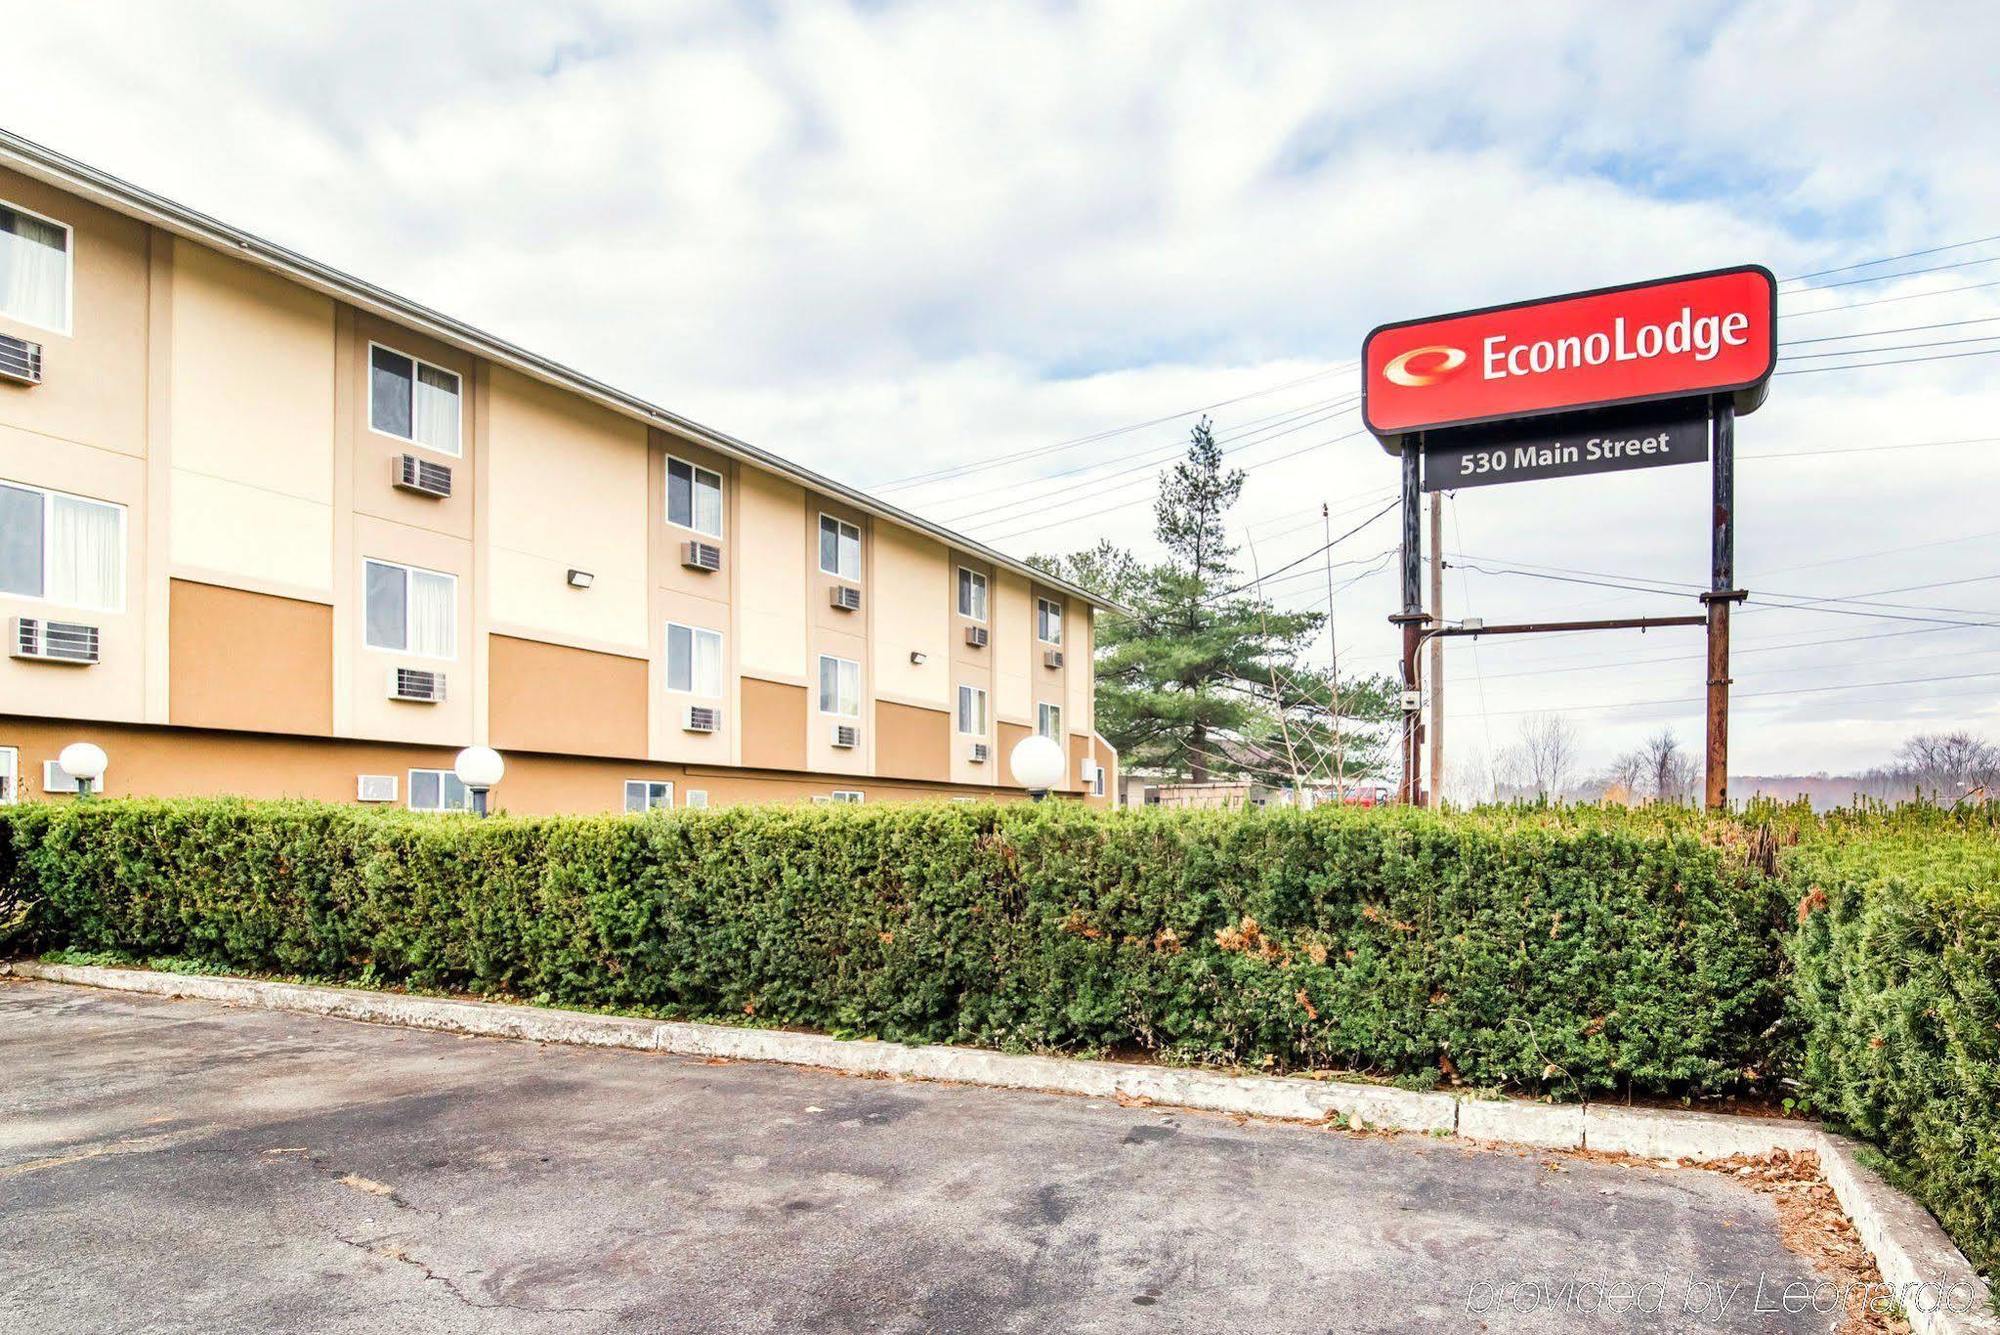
846, 736
20, 360
701, 556
1086, 770
977, 753
845, 597
54, 641
701, 718
56, 779
976, 636
416, 684
1052, 658
421, 475
375, 788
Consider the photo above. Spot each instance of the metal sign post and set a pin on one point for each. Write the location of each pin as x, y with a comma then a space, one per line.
1722, 592
1412, 619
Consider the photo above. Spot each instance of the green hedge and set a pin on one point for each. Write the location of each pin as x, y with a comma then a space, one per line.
1543, 951
1897, 956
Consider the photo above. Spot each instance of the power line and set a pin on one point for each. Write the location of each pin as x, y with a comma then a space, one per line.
1893, 347
1226, 593
1891, 259
1884, 301
960, 470
1898, 361
1877, 333
1902, 273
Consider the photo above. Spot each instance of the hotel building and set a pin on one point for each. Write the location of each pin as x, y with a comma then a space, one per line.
268, 529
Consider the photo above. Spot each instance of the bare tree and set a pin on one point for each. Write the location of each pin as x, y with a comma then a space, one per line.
1547, 753
1669, 771
1624, 779
1948, 765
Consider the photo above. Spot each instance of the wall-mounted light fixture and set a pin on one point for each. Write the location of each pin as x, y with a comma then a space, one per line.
580, 579
918, 656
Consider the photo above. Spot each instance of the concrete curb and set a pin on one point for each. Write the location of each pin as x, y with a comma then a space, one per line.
1933, 1281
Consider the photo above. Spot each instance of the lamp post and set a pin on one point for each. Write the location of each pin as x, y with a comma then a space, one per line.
478, 768
84, 762
1038, 765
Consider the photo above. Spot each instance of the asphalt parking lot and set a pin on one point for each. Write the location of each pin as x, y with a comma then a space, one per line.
178, 1165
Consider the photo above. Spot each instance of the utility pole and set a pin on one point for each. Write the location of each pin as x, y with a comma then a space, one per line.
1437, 649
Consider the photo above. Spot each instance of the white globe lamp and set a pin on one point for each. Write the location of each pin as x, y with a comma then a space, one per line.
84, 762
478, 768
1038, 765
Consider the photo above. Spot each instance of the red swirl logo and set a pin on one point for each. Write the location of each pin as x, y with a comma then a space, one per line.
1423, 366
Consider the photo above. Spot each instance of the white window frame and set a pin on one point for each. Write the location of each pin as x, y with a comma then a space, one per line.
410, 790
1050, 608
819, 686
69, 273
847, 796
689, 799
978, 694
10, 775
860, 552
985, 594
406, 568
693, 690
649, 785
48, 495
458, 447
667, 497
1043, 709
1097, 779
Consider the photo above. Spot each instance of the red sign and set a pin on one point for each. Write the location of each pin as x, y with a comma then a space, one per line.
1709, 333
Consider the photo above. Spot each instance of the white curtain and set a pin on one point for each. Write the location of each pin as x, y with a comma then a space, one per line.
707, 663
436, 409
707, 503
433, 614
86, 558
34, 270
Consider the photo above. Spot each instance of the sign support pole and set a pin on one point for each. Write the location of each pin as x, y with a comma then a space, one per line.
1412, 619
1722, 592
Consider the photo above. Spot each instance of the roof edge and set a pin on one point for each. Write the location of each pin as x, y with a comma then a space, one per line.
53, 168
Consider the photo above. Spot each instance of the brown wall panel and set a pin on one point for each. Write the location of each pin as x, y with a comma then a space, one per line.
190, 762
550, 697
774, 725
246, 660
1010, 737
912, 742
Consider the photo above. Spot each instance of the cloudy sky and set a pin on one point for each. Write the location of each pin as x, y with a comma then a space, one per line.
893, 240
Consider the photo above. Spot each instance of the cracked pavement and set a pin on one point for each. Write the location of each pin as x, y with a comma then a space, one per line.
182, 1166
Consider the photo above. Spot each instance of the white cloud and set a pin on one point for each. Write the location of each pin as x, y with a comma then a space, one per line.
886, 239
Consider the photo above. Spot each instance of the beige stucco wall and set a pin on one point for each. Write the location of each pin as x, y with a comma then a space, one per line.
913, 613
972, 667
566, 488
1078, 633
371, 712
771, 608
93, 389
252, 423
1013, 634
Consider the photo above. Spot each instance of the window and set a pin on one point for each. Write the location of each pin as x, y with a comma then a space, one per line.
694, 660
64, 549
412, 400
1097, 781
437, 790
848, 795
34, 269
1048, 621
411, 611
971, 594
10, 776
839, 686
694, 497
647, 795
839, 548
697, 798
972, 711
1048, 721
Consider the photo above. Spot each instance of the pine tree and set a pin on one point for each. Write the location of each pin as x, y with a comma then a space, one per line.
1202, 678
